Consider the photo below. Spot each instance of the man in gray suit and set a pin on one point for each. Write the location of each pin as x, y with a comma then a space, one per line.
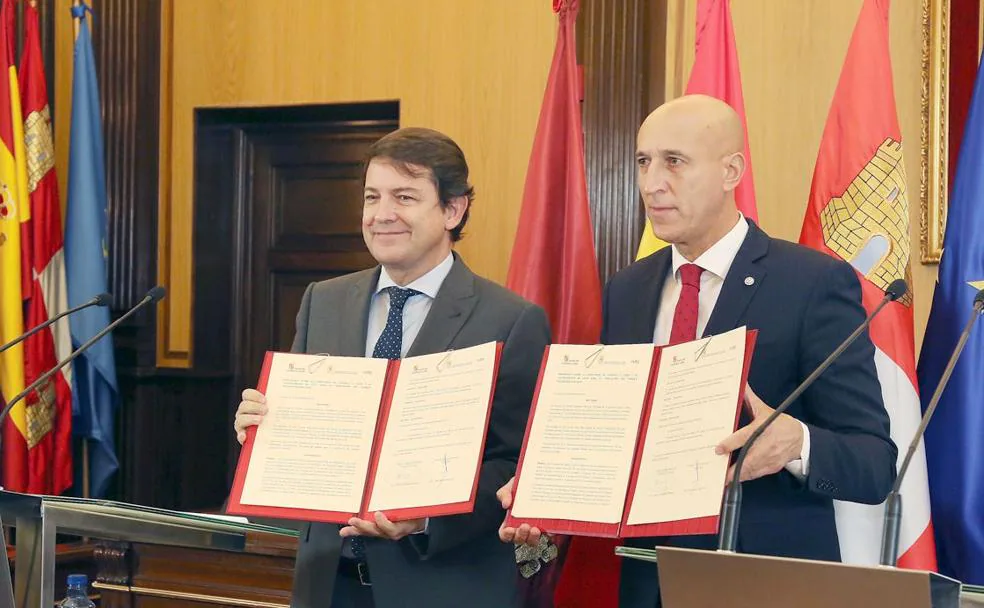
421, 299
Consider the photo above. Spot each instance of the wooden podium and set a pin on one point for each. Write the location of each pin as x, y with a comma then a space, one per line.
691, 578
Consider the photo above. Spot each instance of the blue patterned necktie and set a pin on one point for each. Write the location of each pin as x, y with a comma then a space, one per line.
388, 346
390, 343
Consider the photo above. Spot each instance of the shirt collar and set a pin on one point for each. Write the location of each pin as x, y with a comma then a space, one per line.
429, 284
717, 260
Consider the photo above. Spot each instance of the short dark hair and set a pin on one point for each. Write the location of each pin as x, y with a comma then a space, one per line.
445, 163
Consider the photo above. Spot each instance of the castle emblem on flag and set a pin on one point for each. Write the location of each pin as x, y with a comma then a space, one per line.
868, 225
40, 413
38, 144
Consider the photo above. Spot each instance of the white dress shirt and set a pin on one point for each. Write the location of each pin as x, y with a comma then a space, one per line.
414, 311
716, 262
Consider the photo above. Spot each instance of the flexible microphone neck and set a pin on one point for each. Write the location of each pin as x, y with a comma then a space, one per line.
154, 295
728, 538
103, 299
892, 523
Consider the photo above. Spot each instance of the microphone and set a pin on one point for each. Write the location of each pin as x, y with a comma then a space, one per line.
893, 504
156, 294
103, 299
728, 537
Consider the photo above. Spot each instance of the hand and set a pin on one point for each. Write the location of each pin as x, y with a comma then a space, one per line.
505, 493
250, 412
779, 445
382, 527
525, 533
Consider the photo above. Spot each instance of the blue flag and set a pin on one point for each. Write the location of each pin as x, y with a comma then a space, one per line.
953, 439
94, 393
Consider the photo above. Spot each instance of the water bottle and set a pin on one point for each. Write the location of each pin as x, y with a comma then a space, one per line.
78, 593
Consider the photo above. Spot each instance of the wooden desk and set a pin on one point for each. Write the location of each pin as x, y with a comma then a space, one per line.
137, 575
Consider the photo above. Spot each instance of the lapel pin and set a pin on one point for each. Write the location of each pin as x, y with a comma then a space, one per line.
749, 281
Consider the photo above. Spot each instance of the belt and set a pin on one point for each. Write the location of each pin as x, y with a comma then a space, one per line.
353, 568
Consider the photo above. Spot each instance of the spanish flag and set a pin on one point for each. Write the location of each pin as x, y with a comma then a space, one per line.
715, 73
14, 215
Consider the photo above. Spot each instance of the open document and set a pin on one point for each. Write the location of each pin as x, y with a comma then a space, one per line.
346, 436
621, 438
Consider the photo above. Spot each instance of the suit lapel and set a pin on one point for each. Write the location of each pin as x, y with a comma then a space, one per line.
743, 280
352, 333
453, 305
644, 325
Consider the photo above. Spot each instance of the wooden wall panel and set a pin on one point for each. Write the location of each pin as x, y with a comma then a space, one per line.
614, 52
475, 70
127, 49
791, 54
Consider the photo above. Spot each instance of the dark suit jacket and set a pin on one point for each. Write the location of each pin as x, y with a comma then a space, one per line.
460, 561
803, 303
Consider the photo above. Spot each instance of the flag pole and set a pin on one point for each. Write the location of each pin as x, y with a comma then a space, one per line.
85, 440
85, 467
75, 22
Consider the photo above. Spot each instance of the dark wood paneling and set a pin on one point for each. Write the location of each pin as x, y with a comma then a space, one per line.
46, 23
174, 452
277, 206
127, 48
615, 38
155, 575
303, 198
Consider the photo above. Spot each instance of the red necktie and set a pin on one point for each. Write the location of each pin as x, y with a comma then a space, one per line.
685, 316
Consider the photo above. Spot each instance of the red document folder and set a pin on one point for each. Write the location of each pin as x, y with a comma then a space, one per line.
702, 525
236, 506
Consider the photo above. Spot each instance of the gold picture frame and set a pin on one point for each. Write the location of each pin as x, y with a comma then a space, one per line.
935, 133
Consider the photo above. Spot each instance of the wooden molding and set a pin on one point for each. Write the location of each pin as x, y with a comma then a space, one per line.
188, 597
934, 161
169, 354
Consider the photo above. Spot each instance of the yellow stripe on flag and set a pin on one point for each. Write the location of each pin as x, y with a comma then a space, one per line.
11, 319
20, 154
13, 189
648, 244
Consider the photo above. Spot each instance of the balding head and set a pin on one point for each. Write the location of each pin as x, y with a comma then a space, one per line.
710, 120
690, 160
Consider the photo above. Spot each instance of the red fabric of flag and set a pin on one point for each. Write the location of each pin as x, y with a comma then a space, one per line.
553, 264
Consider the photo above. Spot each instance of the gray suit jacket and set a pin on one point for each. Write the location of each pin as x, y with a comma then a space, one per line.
460, 561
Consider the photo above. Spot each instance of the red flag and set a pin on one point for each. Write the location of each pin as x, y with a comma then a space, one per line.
555, 222
49, 442
859, 212
715, 73
553, 264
